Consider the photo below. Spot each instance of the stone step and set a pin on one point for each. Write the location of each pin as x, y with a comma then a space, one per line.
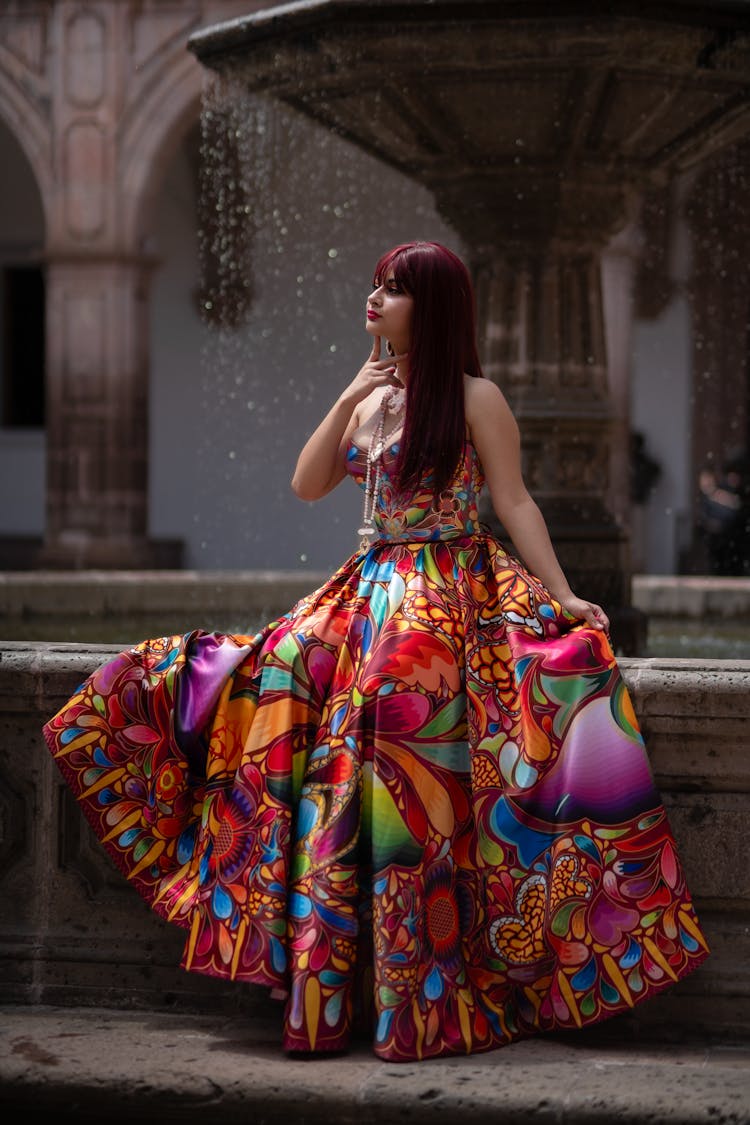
99, 1065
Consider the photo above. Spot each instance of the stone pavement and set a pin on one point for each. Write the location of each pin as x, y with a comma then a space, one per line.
111, 1067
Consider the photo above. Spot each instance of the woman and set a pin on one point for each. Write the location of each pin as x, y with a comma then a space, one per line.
420, 801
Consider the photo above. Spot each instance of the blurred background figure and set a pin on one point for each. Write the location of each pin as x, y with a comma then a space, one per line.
724, 515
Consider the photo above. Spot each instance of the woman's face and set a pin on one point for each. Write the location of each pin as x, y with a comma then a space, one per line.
389, 313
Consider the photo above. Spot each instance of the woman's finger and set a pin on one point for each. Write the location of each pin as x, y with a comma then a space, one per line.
390, 364
599, 618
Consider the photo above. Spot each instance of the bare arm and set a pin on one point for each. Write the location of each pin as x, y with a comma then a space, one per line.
321, 464
496, 438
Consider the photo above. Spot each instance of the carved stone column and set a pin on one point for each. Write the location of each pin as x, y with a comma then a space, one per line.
97, 443
536, 258
96, 279
543, 339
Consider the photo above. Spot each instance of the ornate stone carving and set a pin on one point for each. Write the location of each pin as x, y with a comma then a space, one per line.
85, 59
85, 165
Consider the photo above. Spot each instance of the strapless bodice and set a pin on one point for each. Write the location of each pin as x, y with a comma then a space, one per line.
416, 514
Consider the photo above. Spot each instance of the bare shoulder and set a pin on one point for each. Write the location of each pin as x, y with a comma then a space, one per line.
484, 403
481, 392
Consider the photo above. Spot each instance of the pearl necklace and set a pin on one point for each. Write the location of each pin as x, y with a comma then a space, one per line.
373, 479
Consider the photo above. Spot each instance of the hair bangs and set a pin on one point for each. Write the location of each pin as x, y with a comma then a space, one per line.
398, 261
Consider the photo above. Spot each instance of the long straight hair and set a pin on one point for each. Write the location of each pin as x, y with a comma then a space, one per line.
443, 348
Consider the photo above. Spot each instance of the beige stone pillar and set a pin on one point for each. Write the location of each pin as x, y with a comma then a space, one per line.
108, 59
97, 442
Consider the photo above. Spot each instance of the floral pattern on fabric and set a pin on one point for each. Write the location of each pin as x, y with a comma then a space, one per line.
419, 802
418, 515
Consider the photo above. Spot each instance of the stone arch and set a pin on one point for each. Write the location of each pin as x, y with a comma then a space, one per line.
32, 134
153, 135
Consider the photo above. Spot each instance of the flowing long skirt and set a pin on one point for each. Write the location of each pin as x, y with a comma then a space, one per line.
419, 802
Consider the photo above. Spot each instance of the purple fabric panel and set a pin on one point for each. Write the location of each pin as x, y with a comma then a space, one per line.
211, 659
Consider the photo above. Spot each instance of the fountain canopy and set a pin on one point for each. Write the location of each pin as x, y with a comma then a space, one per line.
525, 119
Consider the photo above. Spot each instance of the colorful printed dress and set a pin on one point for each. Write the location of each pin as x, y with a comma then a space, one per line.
418, 803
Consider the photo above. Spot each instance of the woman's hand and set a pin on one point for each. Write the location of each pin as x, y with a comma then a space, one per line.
321, 464
375, 372
587, 611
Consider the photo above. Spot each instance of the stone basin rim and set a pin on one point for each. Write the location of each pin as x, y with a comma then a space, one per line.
680, 665
228, 36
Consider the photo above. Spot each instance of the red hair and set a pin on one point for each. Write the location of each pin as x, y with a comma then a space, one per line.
443, 348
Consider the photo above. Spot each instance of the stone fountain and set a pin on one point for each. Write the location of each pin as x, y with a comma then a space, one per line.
538, 127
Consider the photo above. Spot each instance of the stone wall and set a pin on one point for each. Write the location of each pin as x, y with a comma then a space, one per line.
73, 932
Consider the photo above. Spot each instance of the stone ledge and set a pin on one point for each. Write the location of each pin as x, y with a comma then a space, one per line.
160, 1067
683, 704
699, 597
92, 592
56, 592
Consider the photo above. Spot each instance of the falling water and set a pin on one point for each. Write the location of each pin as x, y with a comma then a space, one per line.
292, 220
